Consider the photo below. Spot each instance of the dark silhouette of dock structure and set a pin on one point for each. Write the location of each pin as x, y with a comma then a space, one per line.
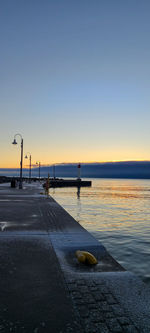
58, 182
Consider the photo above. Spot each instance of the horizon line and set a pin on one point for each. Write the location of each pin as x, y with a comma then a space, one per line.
73, 163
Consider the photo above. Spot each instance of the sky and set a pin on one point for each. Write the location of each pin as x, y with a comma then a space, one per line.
74, 80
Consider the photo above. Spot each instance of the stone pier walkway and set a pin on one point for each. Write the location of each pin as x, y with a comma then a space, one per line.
42, 286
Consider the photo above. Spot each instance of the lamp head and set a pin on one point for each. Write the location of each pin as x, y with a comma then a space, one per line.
14, 142
26, 156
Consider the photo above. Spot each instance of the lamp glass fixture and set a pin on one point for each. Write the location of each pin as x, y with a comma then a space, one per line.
14, 142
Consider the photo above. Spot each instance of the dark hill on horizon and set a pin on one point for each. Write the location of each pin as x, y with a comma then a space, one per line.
135, 169
130, 169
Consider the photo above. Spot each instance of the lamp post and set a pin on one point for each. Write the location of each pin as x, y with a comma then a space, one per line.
15, 143
39, 163
29, 165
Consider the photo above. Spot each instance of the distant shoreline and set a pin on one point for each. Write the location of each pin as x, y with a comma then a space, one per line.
118, 170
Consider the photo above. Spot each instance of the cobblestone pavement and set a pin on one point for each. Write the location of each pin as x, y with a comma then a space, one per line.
97, 307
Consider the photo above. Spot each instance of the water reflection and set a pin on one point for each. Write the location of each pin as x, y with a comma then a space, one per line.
78, 192
79, 211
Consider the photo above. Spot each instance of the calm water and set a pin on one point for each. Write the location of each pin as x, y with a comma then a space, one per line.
117, 213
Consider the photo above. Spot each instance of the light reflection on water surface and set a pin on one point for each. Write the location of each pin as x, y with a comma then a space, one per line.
117, 213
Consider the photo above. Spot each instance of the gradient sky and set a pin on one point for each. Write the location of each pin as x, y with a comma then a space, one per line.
75, 80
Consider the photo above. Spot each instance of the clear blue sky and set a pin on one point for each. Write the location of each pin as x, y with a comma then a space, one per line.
75, 80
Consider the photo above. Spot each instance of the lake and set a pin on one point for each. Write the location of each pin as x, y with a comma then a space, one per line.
117, 213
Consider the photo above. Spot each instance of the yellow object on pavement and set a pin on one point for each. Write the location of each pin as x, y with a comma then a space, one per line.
84, 256
80, 256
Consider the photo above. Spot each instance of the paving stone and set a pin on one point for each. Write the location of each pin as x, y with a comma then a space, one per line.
110, 299
79, 301
123, 320
104, 290
99, 282
113, 324
88, 326
98, 296
83, 311
83, 289
130, 329
102, 328
96, 316
118, 311
70, 280
76, 294
92, 306
80, 282
89, 329
90, 283
88, 299
94, 288
98, 311
104, 306
108, 315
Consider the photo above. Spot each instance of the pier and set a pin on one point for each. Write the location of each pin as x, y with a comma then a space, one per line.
45, 289
69, 183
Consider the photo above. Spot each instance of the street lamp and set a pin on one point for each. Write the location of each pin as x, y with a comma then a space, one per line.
39, 163
15, 143
29, 165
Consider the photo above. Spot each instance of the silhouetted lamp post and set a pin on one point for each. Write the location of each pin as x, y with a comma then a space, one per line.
39, 163
15, 143
29, 165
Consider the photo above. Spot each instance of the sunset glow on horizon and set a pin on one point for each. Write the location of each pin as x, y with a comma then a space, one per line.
50, 155
45, 162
